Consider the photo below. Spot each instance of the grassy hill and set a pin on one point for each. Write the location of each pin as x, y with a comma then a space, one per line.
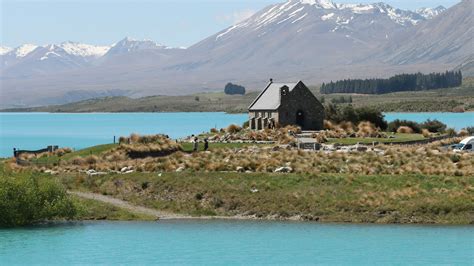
444, 100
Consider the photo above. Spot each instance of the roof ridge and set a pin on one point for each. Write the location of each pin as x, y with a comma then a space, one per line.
261, 93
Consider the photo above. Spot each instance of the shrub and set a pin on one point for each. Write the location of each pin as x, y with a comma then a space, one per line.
366, 129
405, 130
233, 128
355, 115
29, 199
434, 126
463, 133
91, 159
78, 161
328, 125
246, 124
426, 133
214, 130
134, 138
470, 130
451, 132
396, 124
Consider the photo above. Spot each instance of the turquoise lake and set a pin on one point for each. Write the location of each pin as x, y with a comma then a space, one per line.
38, 130
236, 243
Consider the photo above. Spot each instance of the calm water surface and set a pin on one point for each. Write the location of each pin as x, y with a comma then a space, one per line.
236, 242
37, 130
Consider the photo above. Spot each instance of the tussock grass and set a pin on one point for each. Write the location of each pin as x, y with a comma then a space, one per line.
405, 130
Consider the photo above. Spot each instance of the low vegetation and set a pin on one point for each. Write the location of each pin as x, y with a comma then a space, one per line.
440, 100
31, 198
318, 197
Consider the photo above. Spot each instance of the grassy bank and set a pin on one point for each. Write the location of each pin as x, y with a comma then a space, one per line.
324, 197
29, 197
442, 100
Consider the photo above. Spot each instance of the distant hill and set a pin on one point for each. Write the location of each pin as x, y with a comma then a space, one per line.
311, 40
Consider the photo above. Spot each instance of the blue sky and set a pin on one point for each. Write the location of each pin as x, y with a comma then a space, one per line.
103, 22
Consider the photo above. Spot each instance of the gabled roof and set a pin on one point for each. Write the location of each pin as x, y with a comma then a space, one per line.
269, 98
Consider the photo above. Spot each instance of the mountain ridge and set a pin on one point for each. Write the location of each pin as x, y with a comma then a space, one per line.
314, 40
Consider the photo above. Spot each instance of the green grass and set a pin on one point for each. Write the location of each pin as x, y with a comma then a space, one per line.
325, 197
397, 138
94, 150
188, 147
87, 209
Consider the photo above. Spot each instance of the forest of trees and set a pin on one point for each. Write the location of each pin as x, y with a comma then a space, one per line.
403, 82
232, 89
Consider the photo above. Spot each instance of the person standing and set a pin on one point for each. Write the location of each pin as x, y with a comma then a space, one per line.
195, 144
206, 144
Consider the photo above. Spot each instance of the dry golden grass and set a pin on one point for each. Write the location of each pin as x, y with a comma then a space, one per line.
405, 130
233, 128
396, 160
367, 130
426, 133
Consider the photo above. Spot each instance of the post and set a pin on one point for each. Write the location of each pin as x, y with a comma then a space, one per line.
114, 139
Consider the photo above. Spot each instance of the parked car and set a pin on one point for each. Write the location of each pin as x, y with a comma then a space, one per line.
466, 145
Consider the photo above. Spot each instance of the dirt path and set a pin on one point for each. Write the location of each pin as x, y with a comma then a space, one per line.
128, 206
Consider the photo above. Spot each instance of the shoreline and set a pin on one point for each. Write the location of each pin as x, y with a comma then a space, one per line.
168, 216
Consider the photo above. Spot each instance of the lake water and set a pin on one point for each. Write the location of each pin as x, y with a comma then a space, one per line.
236, 243
38, 130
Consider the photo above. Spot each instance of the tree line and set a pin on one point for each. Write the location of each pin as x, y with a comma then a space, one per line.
402, 82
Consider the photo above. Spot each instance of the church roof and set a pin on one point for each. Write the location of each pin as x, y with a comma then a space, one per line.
269, 98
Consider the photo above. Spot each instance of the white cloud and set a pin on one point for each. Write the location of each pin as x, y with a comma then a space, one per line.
236, 16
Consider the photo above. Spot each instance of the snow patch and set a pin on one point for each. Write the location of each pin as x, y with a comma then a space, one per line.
328, 16
300, 18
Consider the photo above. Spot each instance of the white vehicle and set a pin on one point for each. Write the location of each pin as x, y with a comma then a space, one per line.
466, 145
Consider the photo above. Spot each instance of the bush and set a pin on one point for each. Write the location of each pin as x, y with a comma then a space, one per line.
426, 133
405, 130
246, 124
463, 133
434, 126
396, 124
470, 130
28, 199
232, 89
451, 132
233, 129
355, 115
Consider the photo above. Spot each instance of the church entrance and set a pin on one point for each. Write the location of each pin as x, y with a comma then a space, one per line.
300, 119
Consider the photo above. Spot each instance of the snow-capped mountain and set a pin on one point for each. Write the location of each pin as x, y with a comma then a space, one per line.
448, 38
30, 59
4, 50
314, 40
129, 45
429, 13
303, 33
11, 56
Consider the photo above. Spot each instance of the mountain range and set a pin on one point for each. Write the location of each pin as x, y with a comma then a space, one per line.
311, 40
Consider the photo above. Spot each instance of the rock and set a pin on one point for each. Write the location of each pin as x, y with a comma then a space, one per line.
180, 169
361, 148
126, 169
284, 169
254, 190
240, 169
129, 171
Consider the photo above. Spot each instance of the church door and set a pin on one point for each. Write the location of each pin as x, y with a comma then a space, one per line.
300, 119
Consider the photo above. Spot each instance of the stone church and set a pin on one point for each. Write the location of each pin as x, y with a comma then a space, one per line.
282, 104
